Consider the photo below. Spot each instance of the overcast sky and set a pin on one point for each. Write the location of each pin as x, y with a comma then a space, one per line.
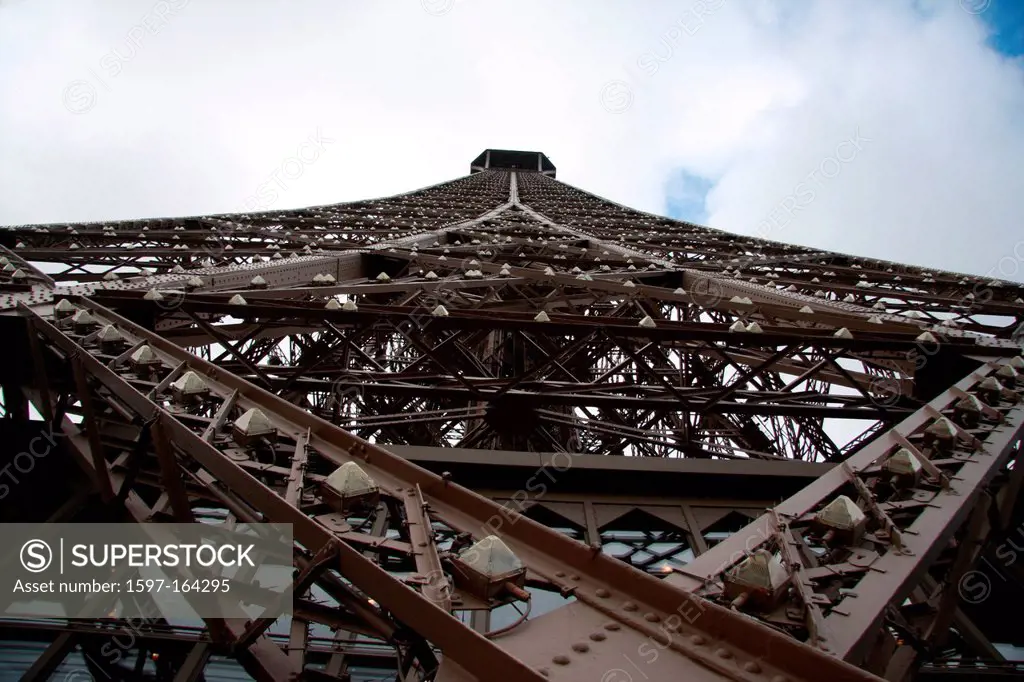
892, 129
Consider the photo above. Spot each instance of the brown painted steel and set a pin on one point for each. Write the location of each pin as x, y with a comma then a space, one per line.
505, 315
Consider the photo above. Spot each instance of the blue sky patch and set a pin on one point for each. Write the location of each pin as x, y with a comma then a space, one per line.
685, 196
1005, 18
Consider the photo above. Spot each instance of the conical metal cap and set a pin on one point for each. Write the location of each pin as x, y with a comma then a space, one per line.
144, 355
841, 513
109, 334
903, 463
942, 429
190, 383
349, 480
761, 570
254, 422
491, 557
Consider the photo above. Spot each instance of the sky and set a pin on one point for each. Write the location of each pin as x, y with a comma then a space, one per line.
889, 129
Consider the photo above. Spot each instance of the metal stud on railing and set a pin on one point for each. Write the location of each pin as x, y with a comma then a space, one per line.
904, 468
64, 309
485, 568
143, 359
841, 521
757, 583
991, 390
251, 427
82, 321
189, 387
350, 489
110, 339
968, 410
1008, 376
941, 435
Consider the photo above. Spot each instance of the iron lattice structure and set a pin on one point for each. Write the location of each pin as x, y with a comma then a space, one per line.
715, 456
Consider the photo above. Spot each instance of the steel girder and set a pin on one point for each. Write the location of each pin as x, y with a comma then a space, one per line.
507, 310
606, 591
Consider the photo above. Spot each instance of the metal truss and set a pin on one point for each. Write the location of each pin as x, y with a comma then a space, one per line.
625, 393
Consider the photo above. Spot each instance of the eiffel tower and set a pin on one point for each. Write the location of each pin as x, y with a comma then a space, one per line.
521, 433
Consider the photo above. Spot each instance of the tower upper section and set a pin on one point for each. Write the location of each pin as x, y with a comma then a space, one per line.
513, 160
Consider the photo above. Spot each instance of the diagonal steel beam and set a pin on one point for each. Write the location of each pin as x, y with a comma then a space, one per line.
551, 554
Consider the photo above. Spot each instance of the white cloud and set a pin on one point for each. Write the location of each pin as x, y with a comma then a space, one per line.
753, 96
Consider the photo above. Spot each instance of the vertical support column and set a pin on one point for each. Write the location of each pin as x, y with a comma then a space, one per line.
480, 620
39, 365
590, 516
192, 669
343, 639
51, 658
170, 472
421, 537
15, 403
697, 540
298, 633
1006, 499
91, 428
971, 545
